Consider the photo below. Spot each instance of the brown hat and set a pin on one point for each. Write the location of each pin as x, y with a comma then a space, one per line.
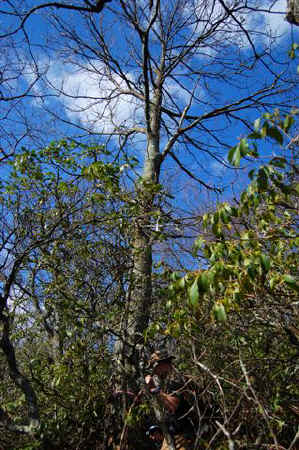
158, 357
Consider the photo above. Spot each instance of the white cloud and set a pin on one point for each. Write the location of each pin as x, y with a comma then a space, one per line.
272, 21
93, 97
177, 93
267, 21
277, 22
99, 102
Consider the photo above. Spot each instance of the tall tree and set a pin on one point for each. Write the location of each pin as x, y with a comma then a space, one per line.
166, 82
180, 74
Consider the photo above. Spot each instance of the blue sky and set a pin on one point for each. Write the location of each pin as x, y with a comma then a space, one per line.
31, 121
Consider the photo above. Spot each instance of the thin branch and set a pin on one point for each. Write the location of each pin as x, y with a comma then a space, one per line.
91, 8
191, 175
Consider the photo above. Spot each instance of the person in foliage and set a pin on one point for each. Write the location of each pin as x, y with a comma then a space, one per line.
163, 382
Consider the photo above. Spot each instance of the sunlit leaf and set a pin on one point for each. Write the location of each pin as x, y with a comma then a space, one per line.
264, 129
257, 124
182, 282
175, 276
219, 312
194, 293
243, 146
234, 156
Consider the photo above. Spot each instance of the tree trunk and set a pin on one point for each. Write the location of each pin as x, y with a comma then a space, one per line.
130, 356
19, 379
142, 244
293, 12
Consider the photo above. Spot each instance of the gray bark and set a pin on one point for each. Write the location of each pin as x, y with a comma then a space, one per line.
145, 194
293, 12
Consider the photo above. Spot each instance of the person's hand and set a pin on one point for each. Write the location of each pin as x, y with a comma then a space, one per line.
149, 381
153, 389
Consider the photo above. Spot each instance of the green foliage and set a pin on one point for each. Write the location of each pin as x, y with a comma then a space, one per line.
268, 126
255, 242
70, 227
239, 310
292, 52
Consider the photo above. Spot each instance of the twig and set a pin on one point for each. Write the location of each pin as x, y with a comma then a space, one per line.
231, 445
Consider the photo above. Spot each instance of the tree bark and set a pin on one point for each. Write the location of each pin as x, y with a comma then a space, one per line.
293, 12
18, 378
141, 296
142, 246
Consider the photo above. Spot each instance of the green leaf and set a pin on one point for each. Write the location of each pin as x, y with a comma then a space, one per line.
251, 271
291, 282
182, 282
262, 179
286, 189
266, 262
217, 229
198, 243
227, 207
205, 220
235, 211
275, 134
267, 116
224, 216
288, 122
272, 282
203, 282
215, 218
278, 162
234, 156
194, 293
243, 147
175, 276
254, 135
264, 129
257, 124
219, 312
